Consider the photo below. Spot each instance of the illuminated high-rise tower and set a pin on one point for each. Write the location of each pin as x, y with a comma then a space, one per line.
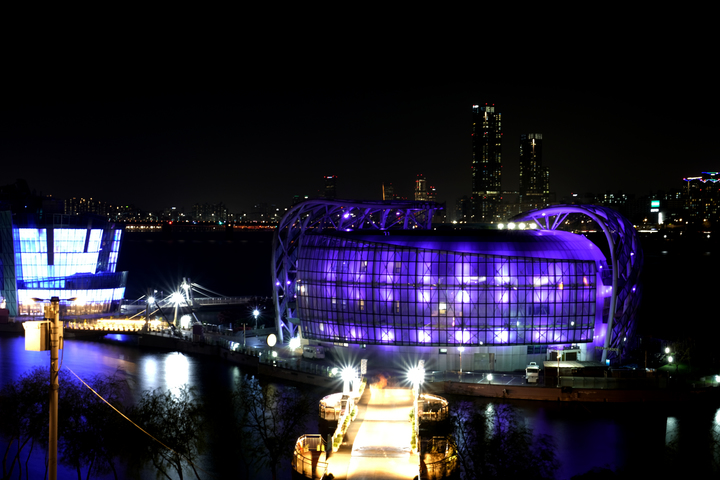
486, 163
534, 178
421, 192
330, 187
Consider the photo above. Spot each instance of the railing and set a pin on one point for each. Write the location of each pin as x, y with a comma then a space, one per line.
309, 456
222, 300
438, 459
331, 406
432, 408
441, 469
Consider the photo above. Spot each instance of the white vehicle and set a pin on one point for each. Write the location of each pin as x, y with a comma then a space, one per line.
313, 351
532, 373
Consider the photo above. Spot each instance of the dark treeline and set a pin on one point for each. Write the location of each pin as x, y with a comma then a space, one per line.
164, 432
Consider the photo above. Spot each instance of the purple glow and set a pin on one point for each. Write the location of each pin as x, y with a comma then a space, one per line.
379, 292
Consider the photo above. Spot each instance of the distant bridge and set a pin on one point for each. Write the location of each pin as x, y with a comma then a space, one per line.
188, 294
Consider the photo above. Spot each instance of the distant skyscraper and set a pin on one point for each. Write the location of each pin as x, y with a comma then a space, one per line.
330, 191
388, 191
534, 178
486, 163
421, 192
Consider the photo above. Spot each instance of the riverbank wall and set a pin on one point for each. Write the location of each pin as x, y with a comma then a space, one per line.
566, 394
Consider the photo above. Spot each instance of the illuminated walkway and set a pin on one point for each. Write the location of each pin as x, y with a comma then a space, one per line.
377, 444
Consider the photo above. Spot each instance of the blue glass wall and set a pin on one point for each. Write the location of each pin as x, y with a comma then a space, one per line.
68, 263
376, 292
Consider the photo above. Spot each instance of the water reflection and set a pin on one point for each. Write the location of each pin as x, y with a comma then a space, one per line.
586, 435
671, 430
177, 371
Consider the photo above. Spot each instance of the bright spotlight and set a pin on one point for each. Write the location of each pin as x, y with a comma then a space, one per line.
348, 373
294, 343
151, 300
490, 377
176, 297
416, 375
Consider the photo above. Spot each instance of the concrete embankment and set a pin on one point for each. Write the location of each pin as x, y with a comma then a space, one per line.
577, 394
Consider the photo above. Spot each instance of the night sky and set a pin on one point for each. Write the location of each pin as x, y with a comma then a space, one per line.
174, 126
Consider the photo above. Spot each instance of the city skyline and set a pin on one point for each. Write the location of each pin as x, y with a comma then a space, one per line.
209, 145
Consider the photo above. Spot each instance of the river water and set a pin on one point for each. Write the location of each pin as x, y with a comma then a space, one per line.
147, 369
586, 435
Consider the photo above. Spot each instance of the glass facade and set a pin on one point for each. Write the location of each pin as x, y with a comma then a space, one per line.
501, 289
66, 262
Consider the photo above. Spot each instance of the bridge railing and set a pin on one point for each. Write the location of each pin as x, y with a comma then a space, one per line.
309, 457
222, 300
433, 408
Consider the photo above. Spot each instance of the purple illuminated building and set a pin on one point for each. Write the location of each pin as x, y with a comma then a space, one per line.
369, 274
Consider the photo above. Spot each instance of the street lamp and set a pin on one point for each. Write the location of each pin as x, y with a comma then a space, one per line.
176, 298
348, 375
256, 313
416, 375
55, 337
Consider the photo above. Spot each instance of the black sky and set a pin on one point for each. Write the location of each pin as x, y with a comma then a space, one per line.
169, 125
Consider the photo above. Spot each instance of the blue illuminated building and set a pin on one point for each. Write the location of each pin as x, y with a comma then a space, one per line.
379, 275
70, 257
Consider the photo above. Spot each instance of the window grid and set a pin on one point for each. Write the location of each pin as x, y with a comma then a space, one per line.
355, 291
72, 270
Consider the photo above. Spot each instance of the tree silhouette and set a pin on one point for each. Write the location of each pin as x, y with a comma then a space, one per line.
88, 427
271, 419
177, 421
495, 443
27, 399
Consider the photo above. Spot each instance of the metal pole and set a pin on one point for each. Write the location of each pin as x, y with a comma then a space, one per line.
53, 314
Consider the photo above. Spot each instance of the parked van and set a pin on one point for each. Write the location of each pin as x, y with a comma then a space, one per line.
313, 351
532, 373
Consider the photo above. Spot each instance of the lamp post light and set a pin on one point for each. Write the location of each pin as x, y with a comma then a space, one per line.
348, 375
244, 334
416, 375
256, 313
52, 319
176, 298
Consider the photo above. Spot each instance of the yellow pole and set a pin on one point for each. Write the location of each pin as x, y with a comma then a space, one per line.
53, 314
